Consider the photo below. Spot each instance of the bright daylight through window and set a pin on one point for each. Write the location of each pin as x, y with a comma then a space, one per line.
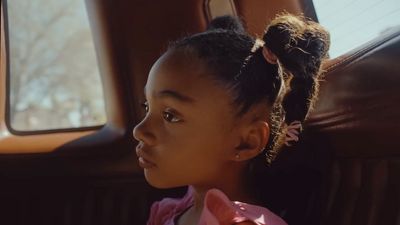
355, 22
54, 76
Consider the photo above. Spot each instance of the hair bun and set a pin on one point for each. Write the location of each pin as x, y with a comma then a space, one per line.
297, 41
227, 22
300, 46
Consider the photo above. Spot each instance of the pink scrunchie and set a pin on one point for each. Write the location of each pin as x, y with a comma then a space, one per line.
292, 132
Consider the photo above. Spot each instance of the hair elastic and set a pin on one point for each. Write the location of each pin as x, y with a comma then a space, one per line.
292, 131
269, 56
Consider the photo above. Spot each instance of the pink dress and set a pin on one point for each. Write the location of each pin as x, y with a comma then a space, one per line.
218, 210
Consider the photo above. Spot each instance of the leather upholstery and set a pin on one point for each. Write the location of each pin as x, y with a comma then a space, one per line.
359, 116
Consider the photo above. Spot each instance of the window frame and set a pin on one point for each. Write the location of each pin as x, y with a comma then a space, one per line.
46, 141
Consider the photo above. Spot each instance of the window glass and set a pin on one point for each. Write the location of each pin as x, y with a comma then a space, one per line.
54, 76
355, 22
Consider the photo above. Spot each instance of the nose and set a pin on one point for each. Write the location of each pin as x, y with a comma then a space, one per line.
142, 133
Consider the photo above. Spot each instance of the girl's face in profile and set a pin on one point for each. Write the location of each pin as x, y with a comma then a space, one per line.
189, 135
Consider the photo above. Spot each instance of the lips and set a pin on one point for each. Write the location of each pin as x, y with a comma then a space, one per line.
144, 162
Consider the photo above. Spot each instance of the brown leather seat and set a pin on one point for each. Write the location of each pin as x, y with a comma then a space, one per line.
347, 167
359, 114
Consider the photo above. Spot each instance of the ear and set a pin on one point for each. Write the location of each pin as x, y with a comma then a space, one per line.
253, 141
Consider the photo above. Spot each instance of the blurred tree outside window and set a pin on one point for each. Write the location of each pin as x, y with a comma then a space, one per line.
54, 76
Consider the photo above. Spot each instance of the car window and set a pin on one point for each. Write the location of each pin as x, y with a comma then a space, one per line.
353, 23
53, 76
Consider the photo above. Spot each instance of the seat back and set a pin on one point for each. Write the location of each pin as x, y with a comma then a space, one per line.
358, 116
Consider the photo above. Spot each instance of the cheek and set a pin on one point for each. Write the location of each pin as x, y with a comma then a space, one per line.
184, 152
185, 144
206, 136
208, 143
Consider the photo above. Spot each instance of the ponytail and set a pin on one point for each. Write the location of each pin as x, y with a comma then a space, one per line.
299, 46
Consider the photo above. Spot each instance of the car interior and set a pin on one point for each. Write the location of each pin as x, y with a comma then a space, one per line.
345, 170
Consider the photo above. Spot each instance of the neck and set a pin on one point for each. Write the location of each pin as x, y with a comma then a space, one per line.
233, 185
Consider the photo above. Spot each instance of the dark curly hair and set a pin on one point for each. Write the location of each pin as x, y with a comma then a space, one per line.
236, 61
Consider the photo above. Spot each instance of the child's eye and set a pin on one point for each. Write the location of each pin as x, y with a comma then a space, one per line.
145, 106
170, 117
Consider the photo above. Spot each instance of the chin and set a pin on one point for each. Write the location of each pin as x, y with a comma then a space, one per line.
158, 182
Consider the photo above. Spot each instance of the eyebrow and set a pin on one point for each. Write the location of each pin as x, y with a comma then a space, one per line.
175, 95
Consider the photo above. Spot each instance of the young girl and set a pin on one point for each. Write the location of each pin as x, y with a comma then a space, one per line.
216, 101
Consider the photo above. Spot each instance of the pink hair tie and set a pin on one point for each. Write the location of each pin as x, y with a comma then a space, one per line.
292, 132
269, 56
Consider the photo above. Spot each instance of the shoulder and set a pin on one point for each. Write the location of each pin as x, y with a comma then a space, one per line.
165, 210
219, 208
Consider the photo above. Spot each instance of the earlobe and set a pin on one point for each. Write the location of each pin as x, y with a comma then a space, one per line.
253, 141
